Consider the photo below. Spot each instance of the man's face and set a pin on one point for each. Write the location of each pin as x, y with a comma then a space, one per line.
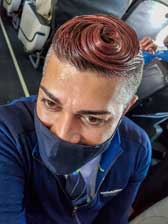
78, 107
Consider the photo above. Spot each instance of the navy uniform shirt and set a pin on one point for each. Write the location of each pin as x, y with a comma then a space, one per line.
31, 194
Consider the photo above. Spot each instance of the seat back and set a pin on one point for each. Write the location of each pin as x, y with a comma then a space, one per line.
155, 77
34, 29
44, 8
11, 5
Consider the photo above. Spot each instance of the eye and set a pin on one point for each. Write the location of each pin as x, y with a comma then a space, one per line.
91, 120
49, 104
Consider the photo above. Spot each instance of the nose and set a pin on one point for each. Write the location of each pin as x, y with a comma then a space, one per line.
67, 128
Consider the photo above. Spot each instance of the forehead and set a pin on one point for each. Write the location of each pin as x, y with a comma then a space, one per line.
88, 88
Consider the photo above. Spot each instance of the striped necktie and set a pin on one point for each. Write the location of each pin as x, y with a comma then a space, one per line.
76, 188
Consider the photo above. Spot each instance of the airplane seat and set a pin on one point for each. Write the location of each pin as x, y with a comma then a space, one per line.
147, 10
151, 110
44, 8
12, 8
33, 32
11, 5
156, 214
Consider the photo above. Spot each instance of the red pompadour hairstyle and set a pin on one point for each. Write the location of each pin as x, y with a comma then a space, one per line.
100, 43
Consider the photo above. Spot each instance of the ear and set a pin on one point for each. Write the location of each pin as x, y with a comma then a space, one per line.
130, 104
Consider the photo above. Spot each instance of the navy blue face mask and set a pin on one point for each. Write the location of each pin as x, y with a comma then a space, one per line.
62, 157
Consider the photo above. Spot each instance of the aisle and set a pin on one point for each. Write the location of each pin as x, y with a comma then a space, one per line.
17, 76
10, 87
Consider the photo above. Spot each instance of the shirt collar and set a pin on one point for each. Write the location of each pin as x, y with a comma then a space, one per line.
109, 157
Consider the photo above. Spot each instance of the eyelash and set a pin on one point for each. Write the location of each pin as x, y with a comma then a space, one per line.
99, 120
45, 101
83, 118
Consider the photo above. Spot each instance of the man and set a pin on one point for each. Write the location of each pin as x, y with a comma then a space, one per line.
70, 156
148, 44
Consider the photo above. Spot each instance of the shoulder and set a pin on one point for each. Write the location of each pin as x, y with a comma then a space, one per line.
130, 132
136, 145
17, 117
135, 142
17, 134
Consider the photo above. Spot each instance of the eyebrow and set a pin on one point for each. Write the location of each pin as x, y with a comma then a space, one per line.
93, 112
50, 95
82, 112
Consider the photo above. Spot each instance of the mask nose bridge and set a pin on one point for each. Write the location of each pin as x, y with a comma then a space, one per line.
67, 128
